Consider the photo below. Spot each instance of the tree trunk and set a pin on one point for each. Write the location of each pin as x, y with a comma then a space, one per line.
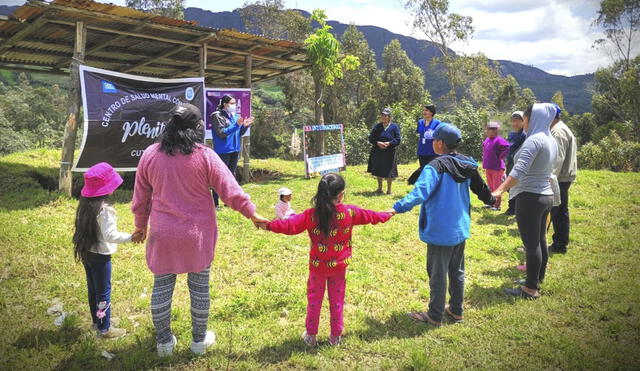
319, 112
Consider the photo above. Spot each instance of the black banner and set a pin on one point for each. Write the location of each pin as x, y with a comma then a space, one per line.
124, 114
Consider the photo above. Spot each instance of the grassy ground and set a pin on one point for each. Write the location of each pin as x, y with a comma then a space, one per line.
588, 317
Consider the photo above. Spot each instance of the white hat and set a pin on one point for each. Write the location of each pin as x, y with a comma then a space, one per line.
493, 125
518, 114
284, 191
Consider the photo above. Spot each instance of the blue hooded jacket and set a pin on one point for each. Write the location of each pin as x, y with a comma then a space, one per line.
442, 190
226, 133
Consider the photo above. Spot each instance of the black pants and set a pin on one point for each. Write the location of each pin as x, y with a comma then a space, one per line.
425, 159
532, 211
443, 262
231, 160
560, 219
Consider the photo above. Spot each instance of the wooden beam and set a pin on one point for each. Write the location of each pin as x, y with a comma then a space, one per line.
203, 60
11, 41
166, 53
101, 15
258, 56
73, 118
49, 71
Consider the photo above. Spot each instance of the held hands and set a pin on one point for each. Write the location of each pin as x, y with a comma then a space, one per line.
139, 235
259, 221
382, 145
391, 211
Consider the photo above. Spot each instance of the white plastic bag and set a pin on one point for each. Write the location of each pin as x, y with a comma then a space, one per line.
553, 180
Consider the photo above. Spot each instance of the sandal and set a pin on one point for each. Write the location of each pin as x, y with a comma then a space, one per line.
453, 317
423, 317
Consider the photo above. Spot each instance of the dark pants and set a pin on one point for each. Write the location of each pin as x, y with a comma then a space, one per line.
560, 219
425, 159
231, 160
98, 270
443, 261
532, 211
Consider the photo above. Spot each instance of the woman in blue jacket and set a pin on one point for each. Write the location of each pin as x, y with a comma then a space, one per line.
426, 126
227, 130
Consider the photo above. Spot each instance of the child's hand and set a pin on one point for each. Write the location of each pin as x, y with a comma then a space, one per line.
139, 235
259, 221
392, 211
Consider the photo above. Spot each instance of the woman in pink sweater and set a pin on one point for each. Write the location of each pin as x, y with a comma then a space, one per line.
172, 195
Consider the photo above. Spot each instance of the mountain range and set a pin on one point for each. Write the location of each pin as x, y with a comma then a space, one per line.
577, 98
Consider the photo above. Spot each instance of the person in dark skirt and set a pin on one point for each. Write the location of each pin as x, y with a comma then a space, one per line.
384, 137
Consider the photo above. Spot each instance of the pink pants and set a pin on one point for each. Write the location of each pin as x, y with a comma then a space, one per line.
336, 285
494, 179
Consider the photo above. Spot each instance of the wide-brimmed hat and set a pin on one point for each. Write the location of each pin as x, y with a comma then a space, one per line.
100, 180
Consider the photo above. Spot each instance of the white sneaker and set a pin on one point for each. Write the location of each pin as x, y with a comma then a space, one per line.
201, 347
165, 350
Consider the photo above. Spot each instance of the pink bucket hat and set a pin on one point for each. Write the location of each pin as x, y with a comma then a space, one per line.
100, 180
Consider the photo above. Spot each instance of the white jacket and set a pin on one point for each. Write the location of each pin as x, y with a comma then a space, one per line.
109, 237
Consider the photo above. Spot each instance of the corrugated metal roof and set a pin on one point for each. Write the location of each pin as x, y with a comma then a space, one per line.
121, 38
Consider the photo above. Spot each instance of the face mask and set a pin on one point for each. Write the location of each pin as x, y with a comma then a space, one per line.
231, 108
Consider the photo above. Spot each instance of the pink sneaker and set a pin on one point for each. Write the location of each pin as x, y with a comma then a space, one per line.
522, 267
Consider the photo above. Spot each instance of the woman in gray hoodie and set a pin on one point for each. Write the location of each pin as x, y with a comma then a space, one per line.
531, 189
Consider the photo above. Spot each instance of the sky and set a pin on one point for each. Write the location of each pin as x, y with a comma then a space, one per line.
553, 35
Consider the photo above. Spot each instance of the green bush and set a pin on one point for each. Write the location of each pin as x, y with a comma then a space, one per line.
611, 153
471, 122
357, 144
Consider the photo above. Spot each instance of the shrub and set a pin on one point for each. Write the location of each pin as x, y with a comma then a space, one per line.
611, 153
471, 122
357, 145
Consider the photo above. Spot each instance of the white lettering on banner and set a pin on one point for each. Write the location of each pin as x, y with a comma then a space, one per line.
137, 152
141, 128
324, 163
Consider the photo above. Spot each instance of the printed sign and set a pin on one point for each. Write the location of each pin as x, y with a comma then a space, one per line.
331, 163
124, 114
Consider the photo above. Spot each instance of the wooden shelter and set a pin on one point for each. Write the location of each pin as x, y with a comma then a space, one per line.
56, 37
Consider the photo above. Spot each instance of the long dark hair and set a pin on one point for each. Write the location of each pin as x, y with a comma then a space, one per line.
184, 130
87, 229
528, 111
329, 188
225, 99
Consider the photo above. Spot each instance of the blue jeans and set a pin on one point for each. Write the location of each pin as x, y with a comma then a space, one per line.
98, 269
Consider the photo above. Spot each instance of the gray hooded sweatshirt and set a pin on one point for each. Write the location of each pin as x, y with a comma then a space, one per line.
534, 161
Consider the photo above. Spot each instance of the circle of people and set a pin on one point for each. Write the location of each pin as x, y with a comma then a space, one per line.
175, 213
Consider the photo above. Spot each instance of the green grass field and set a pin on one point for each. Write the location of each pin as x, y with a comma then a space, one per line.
588, 318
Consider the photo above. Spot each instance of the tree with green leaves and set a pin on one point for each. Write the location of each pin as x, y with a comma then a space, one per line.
620, 20
270, 18
402, 80
328, 63
166, 8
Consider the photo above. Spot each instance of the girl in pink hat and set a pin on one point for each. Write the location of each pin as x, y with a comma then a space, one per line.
95, 239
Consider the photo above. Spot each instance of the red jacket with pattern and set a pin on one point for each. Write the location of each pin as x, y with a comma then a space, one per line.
331, 253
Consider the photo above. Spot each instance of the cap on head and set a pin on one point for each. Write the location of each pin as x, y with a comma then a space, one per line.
284, 191
431, 107
558, 110
386, 111
186, 115
493, 125
449, 134
100, 180
518, 115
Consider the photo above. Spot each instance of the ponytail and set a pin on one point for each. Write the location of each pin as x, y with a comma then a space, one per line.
329, 188
224, 100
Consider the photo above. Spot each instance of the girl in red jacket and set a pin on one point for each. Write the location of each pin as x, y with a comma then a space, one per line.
329, 226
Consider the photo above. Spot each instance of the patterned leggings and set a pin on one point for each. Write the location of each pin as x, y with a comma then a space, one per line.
163, 286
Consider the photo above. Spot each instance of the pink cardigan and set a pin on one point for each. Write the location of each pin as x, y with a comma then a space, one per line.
172, 194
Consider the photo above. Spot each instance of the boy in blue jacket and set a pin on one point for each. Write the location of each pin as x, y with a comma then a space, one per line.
442, 191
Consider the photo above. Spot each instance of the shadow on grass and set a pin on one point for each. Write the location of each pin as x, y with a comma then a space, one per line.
496, 217
283, 351
42, 338
398, 326
135, 356
369, 194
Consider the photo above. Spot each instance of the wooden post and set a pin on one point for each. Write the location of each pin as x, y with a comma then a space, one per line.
203, 59
71, 126
246, 140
